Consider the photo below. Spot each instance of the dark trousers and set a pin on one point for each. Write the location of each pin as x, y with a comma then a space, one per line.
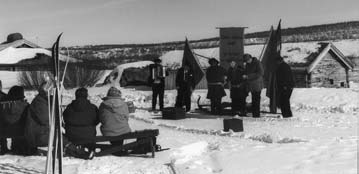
157, 90
238, 100
3, 146
216, 105
184, 98
284, 103
256, 100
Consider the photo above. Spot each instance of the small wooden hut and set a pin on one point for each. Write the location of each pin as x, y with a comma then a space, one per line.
327, 67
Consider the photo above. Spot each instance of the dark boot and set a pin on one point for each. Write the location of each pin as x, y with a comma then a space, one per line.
78, 151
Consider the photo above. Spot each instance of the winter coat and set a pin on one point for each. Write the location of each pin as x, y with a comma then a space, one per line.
157, 76
113, 113
2, 95
81, 118
12, 117
184, 79
254, 71
37, 124
235, 77
215, 76
284, 76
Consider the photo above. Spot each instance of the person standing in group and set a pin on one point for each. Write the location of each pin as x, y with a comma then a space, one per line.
185, 85
238, 91
254, 78
216, 76
285, 85
157, 81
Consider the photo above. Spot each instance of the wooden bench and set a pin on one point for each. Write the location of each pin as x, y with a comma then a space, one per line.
142, 137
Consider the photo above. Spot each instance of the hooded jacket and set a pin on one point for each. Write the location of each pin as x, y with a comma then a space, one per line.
81, 118
2, 95
12, 117
113, 113
37, 124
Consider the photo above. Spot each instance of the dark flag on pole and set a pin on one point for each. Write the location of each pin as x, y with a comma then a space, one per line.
269, 62
192, 62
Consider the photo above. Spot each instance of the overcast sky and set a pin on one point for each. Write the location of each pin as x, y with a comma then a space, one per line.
87, 22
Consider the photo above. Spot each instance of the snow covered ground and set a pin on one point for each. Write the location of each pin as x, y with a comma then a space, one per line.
321, 138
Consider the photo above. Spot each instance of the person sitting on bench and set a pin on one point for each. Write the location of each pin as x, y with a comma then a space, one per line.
113, 114
13, 115
3, 141
81, 118
37, 126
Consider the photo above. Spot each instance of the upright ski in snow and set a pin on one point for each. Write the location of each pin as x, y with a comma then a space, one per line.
55, 147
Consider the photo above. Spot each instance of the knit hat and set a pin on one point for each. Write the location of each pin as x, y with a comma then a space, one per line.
16, 93
113, 92
81, 93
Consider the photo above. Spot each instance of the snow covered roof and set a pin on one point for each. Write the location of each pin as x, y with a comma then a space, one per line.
18, 43
324, 51
13, 55
300, 54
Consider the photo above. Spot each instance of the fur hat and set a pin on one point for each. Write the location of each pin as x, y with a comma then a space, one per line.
213, 60
246, 57
113, 92
81, 93
16, 93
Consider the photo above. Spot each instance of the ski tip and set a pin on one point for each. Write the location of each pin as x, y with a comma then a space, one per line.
58, 37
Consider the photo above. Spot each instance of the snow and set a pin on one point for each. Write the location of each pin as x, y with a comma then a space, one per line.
188, 152
348, 47
173, 59
321, 138
12, 55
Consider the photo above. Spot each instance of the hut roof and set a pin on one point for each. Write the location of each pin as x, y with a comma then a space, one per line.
12, 55
18, 43
23, 54
326, 47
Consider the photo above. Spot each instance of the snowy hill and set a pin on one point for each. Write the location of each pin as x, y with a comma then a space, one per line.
123, 53
293, 53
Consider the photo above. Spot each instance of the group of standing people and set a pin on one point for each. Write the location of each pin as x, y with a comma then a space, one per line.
242, 78
80, 120
245, 78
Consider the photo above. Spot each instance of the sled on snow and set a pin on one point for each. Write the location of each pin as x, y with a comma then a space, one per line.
145, 141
